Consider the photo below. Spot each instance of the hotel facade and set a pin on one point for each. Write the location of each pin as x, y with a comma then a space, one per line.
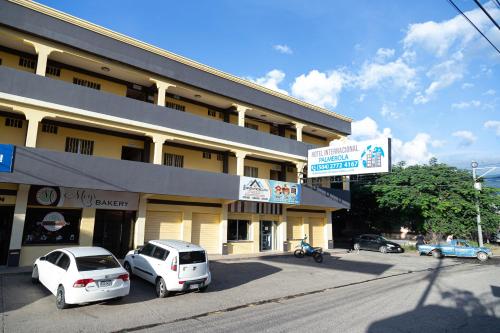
109, 141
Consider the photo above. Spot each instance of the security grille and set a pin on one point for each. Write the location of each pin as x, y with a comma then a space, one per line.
27, 62
86, 83
207, 155
174, 160
79, 146
220, 157
252, 126
49, 128
212, 113
175, 106
251, 172
53, 71
13, 122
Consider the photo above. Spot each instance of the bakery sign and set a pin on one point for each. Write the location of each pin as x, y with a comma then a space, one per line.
54, 196
265, 190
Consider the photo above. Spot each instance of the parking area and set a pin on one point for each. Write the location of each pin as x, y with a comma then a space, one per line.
236, 282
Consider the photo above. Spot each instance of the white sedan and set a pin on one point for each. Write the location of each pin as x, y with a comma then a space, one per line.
81, 275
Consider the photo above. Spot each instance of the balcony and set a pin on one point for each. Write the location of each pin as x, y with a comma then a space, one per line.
36, 166
45, 89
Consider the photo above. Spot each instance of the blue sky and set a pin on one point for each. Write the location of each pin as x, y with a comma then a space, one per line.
412, 70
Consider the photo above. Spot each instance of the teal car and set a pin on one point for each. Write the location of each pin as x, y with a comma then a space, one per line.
456, 248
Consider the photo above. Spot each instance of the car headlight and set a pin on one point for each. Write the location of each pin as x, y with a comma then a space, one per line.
390, 245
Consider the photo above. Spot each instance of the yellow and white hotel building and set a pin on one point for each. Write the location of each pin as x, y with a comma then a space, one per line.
118, 142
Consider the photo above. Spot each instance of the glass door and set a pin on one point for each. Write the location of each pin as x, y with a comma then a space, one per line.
266, 235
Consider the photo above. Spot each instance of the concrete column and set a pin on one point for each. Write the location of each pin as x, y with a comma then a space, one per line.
43, 52
241, 114
140, 222
187, 225
32, 132
282, 230
300, 167
305, 228
162, 89
87, 226
223, 225
299, 127
16, 236
240, 162
328, 231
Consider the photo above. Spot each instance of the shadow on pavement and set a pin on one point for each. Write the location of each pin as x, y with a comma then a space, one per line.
332, 262
230, 275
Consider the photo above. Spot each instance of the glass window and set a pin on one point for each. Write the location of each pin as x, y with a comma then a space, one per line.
94, 263
160, 253
64, 262
251, 172
53, 256
147, 250
237, 230
79, 146
192, 257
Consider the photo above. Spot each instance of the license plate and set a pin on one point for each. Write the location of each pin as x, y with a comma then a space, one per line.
105, 283
194, 286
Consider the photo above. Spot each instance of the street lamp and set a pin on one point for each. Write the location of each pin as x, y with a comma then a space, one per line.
477, 186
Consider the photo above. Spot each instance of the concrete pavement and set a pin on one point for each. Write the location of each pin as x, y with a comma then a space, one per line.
252, 283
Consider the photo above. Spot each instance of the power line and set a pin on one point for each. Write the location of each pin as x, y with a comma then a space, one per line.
458, 9
487, 14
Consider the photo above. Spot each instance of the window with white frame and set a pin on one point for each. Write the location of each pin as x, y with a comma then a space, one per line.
173, 160
251, 172
79, 146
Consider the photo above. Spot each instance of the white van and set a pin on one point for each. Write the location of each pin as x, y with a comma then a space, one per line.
171, 265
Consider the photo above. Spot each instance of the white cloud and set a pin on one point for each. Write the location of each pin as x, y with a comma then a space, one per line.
271, 80
443, 75
319, 88
467, 138
414, 151
494, 124
387, 112
384, 54
439, 37
490, 92
467, 85
397, 73
361, 98
283, 48
465, 105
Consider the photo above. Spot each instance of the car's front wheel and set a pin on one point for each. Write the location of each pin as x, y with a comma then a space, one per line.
482, 256
161, 288
383, 249
128, 268
437, 254
357, 247
34, 275
61, 298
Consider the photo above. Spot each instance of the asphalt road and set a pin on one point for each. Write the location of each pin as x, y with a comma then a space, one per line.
370, 292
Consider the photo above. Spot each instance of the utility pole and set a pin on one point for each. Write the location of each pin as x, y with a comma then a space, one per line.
477, 186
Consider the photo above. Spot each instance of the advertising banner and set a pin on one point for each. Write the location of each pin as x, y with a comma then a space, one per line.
345, 158
265, 190
6, 157
51, 226
53, 196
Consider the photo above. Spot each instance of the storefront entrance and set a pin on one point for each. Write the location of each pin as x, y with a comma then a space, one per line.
114, 231
266, 235
6, 217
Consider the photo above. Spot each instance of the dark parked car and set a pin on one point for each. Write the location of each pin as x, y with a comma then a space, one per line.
376, 243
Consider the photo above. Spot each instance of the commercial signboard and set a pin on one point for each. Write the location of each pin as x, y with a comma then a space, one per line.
265, 190
50, 226
345, 158
52, 196
6, 157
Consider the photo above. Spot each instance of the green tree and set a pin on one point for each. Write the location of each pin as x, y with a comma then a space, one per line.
438, 199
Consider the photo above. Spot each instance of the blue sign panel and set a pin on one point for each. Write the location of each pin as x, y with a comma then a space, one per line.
6, 158
266, 190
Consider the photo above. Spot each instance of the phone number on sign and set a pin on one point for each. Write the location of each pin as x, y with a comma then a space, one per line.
333, 166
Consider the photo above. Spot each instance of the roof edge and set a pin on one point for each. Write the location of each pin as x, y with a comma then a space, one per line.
167, 54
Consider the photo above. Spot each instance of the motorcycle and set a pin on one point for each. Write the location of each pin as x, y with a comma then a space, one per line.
305, 249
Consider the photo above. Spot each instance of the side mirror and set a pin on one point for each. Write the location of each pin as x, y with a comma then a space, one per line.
136, 251
42, 258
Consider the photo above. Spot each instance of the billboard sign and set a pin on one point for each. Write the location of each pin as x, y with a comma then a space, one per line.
6, 157
265, 190
345, 158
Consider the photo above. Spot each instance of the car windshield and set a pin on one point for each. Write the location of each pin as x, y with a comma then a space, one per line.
192, 257
94, 263
380, 238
